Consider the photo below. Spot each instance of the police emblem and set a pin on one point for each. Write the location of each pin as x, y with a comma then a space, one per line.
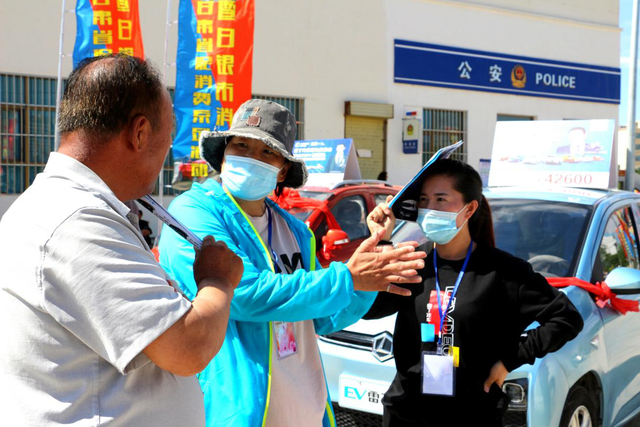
518, 76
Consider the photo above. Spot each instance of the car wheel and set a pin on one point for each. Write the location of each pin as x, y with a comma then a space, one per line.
580, 410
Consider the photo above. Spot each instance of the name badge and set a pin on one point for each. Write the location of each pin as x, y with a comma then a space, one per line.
438, 374
285, 339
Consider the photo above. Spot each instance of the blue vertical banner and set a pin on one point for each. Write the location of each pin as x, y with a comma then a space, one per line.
214, 72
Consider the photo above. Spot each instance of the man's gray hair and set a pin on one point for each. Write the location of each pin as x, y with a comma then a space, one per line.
104, 93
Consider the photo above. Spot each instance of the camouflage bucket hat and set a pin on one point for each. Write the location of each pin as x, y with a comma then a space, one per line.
267, 121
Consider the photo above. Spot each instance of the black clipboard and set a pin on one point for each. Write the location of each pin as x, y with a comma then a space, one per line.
405, 204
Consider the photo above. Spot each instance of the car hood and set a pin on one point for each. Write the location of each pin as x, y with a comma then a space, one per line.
374, 326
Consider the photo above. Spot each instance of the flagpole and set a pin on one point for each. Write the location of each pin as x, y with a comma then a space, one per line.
164, 80
59, 83
629, 179
166, 42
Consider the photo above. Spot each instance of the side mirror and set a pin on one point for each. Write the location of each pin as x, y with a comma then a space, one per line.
334, 239
624, 281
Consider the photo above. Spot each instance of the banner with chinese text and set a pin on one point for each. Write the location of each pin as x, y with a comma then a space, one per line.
428, 64
214, 71
107, 26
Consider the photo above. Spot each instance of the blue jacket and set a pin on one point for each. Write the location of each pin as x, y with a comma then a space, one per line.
236, 384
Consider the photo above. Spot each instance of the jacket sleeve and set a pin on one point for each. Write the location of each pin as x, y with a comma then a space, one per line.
262, 295
535, 300
359, 305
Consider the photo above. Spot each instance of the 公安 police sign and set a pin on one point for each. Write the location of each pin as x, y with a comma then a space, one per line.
443, 66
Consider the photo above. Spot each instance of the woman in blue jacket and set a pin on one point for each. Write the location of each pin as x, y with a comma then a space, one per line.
269, 371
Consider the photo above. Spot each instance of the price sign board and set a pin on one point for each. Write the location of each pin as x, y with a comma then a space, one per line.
563, 153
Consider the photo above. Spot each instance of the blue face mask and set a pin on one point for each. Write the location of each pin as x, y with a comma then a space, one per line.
248, 179
439, 226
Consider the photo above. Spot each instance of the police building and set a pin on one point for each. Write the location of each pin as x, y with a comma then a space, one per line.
353, 69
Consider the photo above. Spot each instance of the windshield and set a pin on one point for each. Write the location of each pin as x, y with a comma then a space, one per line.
303, 214
547, 234
405, 231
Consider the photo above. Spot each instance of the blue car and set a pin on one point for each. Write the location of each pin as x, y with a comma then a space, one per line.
595, 378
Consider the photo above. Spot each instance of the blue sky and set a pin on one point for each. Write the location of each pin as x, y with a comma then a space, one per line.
626, 8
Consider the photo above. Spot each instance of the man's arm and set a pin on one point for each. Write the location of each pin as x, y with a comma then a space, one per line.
188, 346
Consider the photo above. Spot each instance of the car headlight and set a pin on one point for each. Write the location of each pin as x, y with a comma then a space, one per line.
517, 391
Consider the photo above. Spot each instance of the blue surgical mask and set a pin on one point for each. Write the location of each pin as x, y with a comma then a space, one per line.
248, 179
439, 226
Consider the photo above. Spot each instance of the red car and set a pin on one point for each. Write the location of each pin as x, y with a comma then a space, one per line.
337, 215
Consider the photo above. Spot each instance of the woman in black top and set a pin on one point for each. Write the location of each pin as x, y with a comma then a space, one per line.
497, 298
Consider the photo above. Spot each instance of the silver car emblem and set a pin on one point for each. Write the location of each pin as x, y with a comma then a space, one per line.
382, 347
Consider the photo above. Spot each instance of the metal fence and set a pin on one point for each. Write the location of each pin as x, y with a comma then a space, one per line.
443, 128
27, 130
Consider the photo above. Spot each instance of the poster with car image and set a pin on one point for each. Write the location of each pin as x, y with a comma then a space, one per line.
556, 153
328, 161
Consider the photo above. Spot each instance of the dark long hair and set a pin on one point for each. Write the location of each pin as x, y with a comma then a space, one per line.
467, 182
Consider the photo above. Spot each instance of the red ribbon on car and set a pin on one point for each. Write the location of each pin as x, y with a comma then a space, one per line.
290, 199
604, 295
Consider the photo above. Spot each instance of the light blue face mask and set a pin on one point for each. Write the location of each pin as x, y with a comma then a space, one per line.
248, 179
439, 226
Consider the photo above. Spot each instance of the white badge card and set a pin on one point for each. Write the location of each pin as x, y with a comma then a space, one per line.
285, 339
438, 374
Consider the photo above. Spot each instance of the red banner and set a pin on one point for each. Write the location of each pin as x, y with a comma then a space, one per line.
226, 27
213, 75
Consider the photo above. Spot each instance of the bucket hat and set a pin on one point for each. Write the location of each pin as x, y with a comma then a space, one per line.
267, 121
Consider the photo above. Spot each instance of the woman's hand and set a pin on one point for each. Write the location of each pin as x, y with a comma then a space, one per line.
497, 375
382, 218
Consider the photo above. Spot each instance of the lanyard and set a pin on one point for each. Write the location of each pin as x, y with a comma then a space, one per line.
453, 294
274, 257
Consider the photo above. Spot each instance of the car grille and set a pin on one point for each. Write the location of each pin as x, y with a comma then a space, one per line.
515, 419
350, 339
381, 345
350, 418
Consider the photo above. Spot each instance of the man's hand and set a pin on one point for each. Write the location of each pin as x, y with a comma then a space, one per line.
497, 375
216, 261
382, 218
374, 269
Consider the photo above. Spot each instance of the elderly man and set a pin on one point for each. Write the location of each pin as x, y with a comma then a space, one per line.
92, 332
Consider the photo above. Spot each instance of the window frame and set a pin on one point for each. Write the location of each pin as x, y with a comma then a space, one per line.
633, 209
364, 205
